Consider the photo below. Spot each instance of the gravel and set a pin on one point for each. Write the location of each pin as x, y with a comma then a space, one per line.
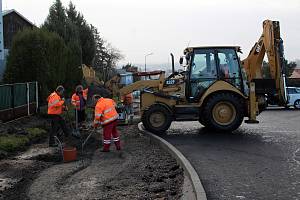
140, 171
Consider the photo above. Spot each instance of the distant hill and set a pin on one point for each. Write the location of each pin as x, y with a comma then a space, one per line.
152, 67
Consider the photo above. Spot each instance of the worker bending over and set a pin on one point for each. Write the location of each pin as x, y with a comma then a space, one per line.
55, 110
78, 100
106, 115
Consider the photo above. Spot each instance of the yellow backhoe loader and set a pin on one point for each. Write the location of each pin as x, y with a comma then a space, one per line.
216, 88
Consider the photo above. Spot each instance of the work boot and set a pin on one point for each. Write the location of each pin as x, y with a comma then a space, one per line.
118, 145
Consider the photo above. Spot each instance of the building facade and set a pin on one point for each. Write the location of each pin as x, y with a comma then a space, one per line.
11, 23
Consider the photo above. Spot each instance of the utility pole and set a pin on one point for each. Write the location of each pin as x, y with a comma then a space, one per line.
1, 44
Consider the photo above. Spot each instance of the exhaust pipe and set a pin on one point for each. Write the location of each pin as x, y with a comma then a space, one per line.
173, 67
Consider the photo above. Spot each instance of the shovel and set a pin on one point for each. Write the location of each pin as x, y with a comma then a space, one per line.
75, 132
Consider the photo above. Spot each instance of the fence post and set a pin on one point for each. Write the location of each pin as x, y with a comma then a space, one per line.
28, 99
36, 96
13, 100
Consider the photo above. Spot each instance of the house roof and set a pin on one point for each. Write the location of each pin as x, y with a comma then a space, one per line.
296, 72
6, 12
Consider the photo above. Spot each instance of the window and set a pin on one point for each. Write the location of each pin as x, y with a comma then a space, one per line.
229, 69
203, 72
228, 62
203, 65
293, 90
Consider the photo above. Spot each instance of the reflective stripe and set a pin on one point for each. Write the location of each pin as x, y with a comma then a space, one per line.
107, 110
106, 141
52, 104
110, 119
98, 115
116, 139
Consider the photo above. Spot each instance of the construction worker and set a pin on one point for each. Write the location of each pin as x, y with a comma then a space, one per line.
127, 101
106, 115
55, 110
78, 100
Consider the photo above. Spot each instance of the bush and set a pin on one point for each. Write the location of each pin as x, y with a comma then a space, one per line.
43, 56
12, 143
35, 133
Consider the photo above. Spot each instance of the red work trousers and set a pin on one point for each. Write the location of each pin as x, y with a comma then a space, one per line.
110, 133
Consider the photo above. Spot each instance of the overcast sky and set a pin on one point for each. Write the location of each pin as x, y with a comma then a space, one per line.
138, 27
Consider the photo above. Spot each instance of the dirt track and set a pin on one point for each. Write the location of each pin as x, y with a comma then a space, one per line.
141, 171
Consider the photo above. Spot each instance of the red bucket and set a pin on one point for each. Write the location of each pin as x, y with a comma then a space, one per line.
70, 154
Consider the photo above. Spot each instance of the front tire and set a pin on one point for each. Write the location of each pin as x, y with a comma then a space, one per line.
157, 119
297, 104
223, 112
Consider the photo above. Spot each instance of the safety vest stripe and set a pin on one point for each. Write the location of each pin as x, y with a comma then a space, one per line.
107, 110
110, 119
98, 115
52, 104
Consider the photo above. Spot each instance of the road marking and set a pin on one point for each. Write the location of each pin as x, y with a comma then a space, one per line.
295, 156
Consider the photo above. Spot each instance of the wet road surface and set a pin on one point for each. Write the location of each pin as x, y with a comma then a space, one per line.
259, 161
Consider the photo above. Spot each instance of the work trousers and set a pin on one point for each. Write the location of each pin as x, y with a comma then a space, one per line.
57, 123
80, 115
110, 133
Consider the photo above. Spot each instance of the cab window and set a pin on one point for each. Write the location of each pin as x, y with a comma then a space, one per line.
203, 65
203, 73
229, 69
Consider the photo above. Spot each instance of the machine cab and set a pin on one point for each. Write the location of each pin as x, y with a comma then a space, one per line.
206, 65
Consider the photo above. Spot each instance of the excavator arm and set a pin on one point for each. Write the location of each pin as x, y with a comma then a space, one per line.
270, 44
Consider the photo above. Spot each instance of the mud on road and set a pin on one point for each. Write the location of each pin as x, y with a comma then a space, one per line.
141, 171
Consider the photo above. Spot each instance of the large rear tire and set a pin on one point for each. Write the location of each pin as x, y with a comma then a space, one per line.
223, 112
157, 119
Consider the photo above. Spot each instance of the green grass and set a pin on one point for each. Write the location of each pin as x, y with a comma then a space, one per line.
34, 133
12, 143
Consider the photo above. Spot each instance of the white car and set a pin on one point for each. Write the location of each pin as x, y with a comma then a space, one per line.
293, 97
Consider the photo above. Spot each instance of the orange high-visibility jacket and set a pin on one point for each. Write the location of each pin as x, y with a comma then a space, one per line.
75, 100
85, 93
105, 111
55, 104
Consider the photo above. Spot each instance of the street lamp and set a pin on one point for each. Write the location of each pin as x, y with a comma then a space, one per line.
149, 54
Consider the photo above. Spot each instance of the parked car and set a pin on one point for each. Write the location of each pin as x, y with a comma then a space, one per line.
293, 97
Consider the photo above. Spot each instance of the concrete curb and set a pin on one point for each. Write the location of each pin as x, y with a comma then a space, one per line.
185, 164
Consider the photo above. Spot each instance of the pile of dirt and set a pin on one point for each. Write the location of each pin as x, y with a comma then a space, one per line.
140, 171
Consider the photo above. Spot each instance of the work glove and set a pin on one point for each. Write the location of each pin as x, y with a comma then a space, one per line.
95, 125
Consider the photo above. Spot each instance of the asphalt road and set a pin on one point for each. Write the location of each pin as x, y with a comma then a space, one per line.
260, 161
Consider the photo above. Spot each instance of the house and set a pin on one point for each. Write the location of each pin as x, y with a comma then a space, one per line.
296, 73
12, 23
126, 77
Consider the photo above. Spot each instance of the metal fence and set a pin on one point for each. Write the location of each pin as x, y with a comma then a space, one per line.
18, 100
